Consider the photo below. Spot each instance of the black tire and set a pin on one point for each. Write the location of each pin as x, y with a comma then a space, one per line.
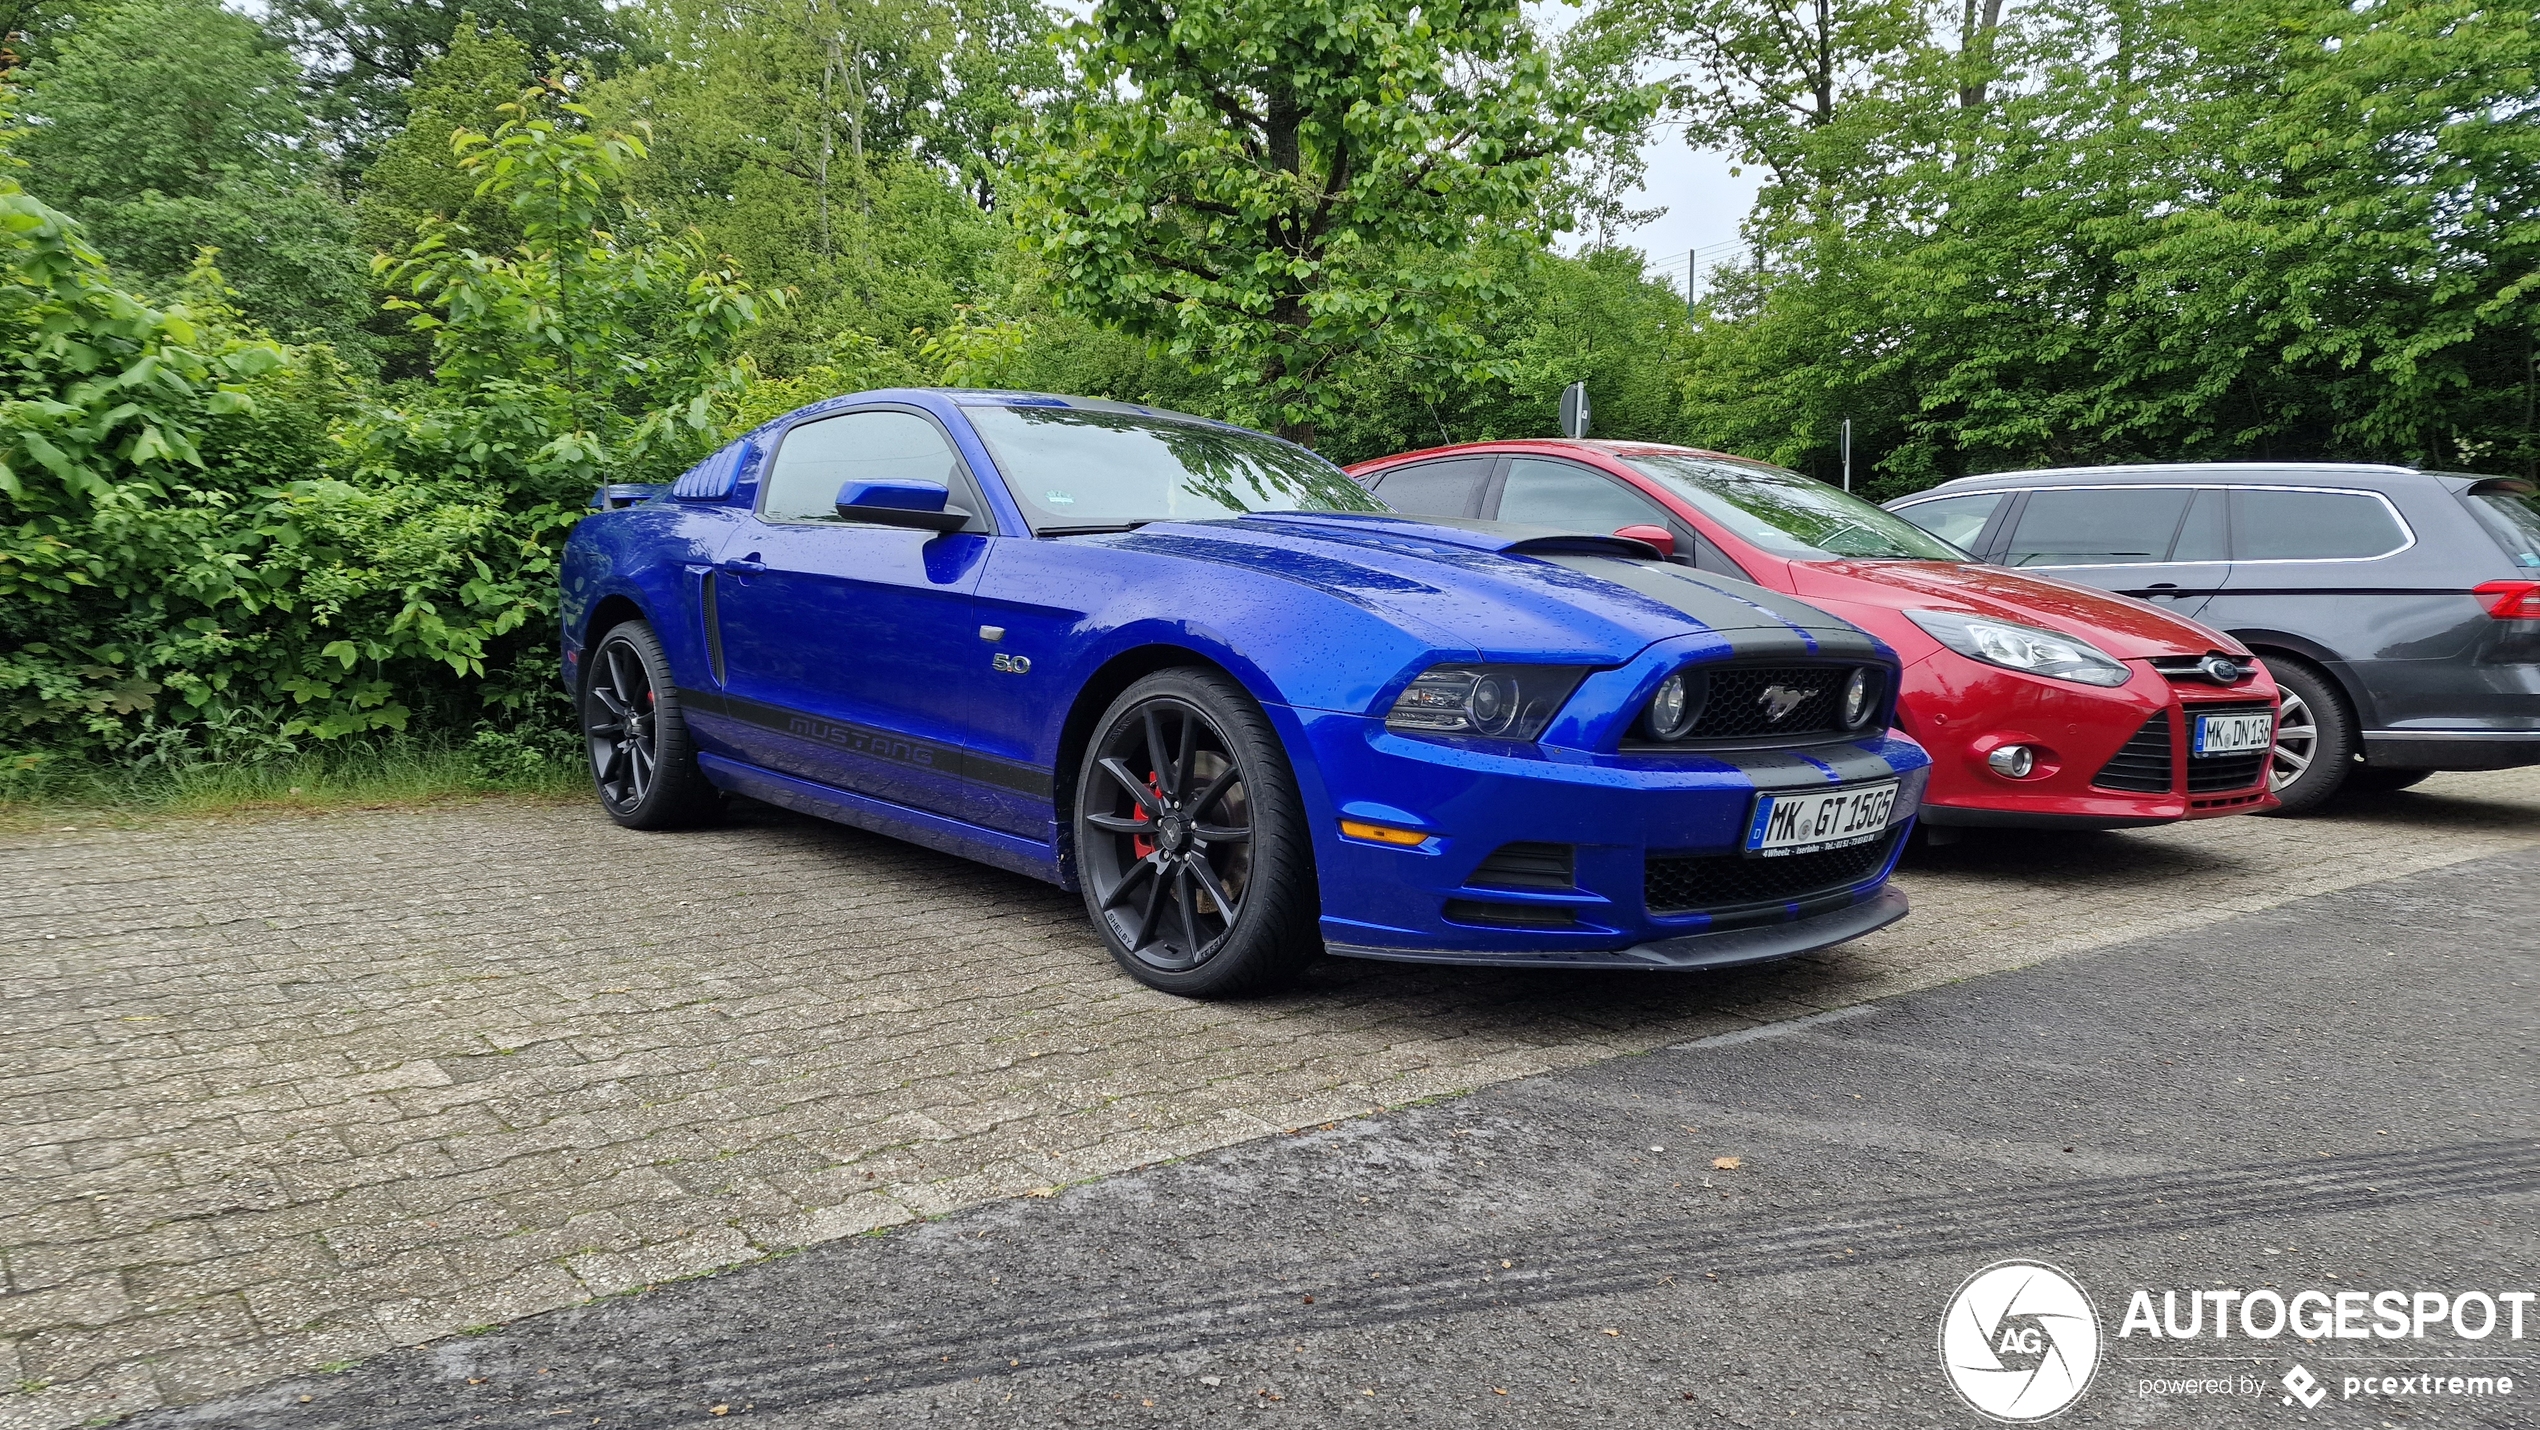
2369, 779
2314, 738
643, 763
1184, 802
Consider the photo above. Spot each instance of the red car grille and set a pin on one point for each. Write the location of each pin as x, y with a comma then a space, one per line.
2216, 773
2143, 765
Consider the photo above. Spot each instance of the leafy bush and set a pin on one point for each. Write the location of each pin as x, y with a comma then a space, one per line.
213, 546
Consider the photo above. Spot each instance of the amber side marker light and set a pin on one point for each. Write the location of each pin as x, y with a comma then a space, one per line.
1378, 833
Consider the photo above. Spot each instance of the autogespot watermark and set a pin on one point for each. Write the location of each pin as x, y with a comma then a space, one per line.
2022, 1341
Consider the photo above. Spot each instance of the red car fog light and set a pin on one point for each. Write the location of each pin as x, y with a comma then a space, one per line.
2016, 761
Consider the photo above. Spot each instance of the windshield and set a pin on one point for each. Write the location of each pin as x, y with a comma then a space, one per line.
1074, 470
1788, 514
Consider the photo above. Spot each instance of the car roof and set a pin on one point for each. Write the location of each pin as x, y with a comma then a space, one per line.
2368, 475
1550, 444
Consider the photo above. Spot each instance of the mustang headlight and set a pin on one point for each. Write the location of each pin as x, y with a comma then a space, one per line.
2024, 648
1504, 702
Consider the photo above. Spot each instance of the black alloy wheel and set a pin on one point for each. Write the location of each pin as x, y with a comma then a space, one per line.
1189, 840
642, 761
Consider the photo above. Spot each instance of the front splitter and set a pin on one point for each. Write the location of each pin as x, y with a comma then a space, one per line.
1687, 953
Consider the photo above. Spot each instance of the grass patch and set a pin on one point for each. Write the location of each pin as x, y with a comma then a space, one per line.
40, 791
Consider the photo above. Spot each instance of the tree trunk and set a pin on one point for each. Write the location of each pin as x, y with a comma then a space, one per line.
1975, 50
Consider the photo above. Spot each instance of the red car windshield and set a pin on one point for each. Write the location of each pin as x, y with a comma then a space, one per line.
1787, 514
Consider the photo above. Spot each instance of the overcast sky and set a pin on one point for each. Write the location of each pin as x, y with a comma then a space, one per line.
1703, 202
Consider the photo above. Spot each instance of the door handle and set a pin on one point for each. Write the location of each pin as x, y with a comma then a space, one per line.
749, 565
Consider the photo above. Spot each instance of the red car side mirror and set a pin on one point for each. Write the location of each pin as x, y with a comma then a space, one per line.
1657, 536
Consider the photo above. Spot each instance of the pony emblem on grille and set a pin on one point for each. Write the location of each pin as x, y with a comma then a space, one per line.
1780, 700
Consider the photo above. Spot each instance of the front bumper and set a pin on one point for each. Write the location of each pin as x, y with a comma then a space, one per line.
1685, 953
1600, 819
1963, 710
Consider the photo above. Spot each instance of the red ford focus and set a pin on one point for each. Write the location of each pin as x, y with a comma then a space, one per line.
2044, 704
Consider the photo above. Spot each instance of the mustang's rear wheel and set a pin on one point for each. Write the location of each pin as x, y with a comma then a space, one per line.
1191, 842
642, 761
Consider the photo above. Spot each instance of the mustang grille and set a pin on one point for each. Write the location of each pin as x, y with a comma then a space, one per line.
2143, 766
1736, 706
1714, 883
2222, 772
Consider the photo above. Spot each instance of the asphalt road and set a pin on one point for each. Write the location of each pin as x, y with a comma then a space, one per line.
2336, 1093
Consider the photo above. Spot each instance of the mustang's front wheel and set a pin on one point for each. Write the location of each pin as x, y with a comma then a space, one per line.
642, 761
1191, 842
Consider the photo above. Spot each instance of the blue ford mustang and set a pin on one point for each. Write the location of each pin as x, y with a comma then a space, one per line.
1201, 676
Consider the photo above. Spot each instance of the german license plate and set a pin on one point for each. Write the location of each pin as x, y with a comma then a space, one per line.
2234, 734
1802, 823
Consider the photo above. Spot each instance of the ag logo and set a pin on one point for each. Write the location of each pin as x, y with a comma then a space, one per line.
2019, 1341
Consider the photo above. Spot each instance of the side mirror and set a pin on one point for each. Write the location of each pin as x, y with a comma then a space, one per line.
923, 505
1657, 536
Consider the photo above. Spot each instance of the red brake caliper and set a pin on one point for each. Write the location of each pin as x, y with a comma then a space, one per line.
1139, 843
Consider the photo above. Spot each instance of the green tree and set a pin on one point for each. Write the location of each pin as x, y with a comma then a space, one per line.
365, 53
1274, 189
417, 175
2282, 229
170, 126
581, 354
824, 146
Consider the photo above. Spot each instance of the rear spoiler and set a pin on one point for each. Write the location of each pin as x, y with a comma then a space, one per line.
623, 494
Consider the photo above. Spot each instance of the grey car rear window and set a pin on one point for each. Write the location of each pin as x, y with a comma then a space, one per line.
2294, 525
2511, 513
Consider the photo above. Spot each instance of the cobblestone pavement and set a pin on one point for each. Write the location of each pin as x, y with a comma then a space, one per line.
284, 1092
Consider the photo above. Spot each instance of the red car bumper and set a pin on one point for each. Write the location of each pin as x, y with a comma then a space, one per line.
2105, 758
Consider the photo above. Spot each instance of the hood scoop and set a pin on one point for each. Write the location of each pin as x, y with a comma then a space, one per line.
1500, 538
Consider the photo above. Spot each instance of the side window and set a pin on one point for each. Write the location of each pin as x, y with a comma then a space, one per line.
1956, 520
2311, 526
1576, 498
818, 458
1449, 487
2205, 536
2097, 526
2511, 514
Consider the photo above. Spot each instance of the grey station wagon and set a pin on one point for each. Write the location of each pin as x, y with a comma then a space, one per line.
2398, 609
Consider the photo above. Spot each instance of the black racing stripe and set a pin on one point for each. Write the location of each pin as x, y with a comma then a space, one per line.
877, 744
1015, 775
